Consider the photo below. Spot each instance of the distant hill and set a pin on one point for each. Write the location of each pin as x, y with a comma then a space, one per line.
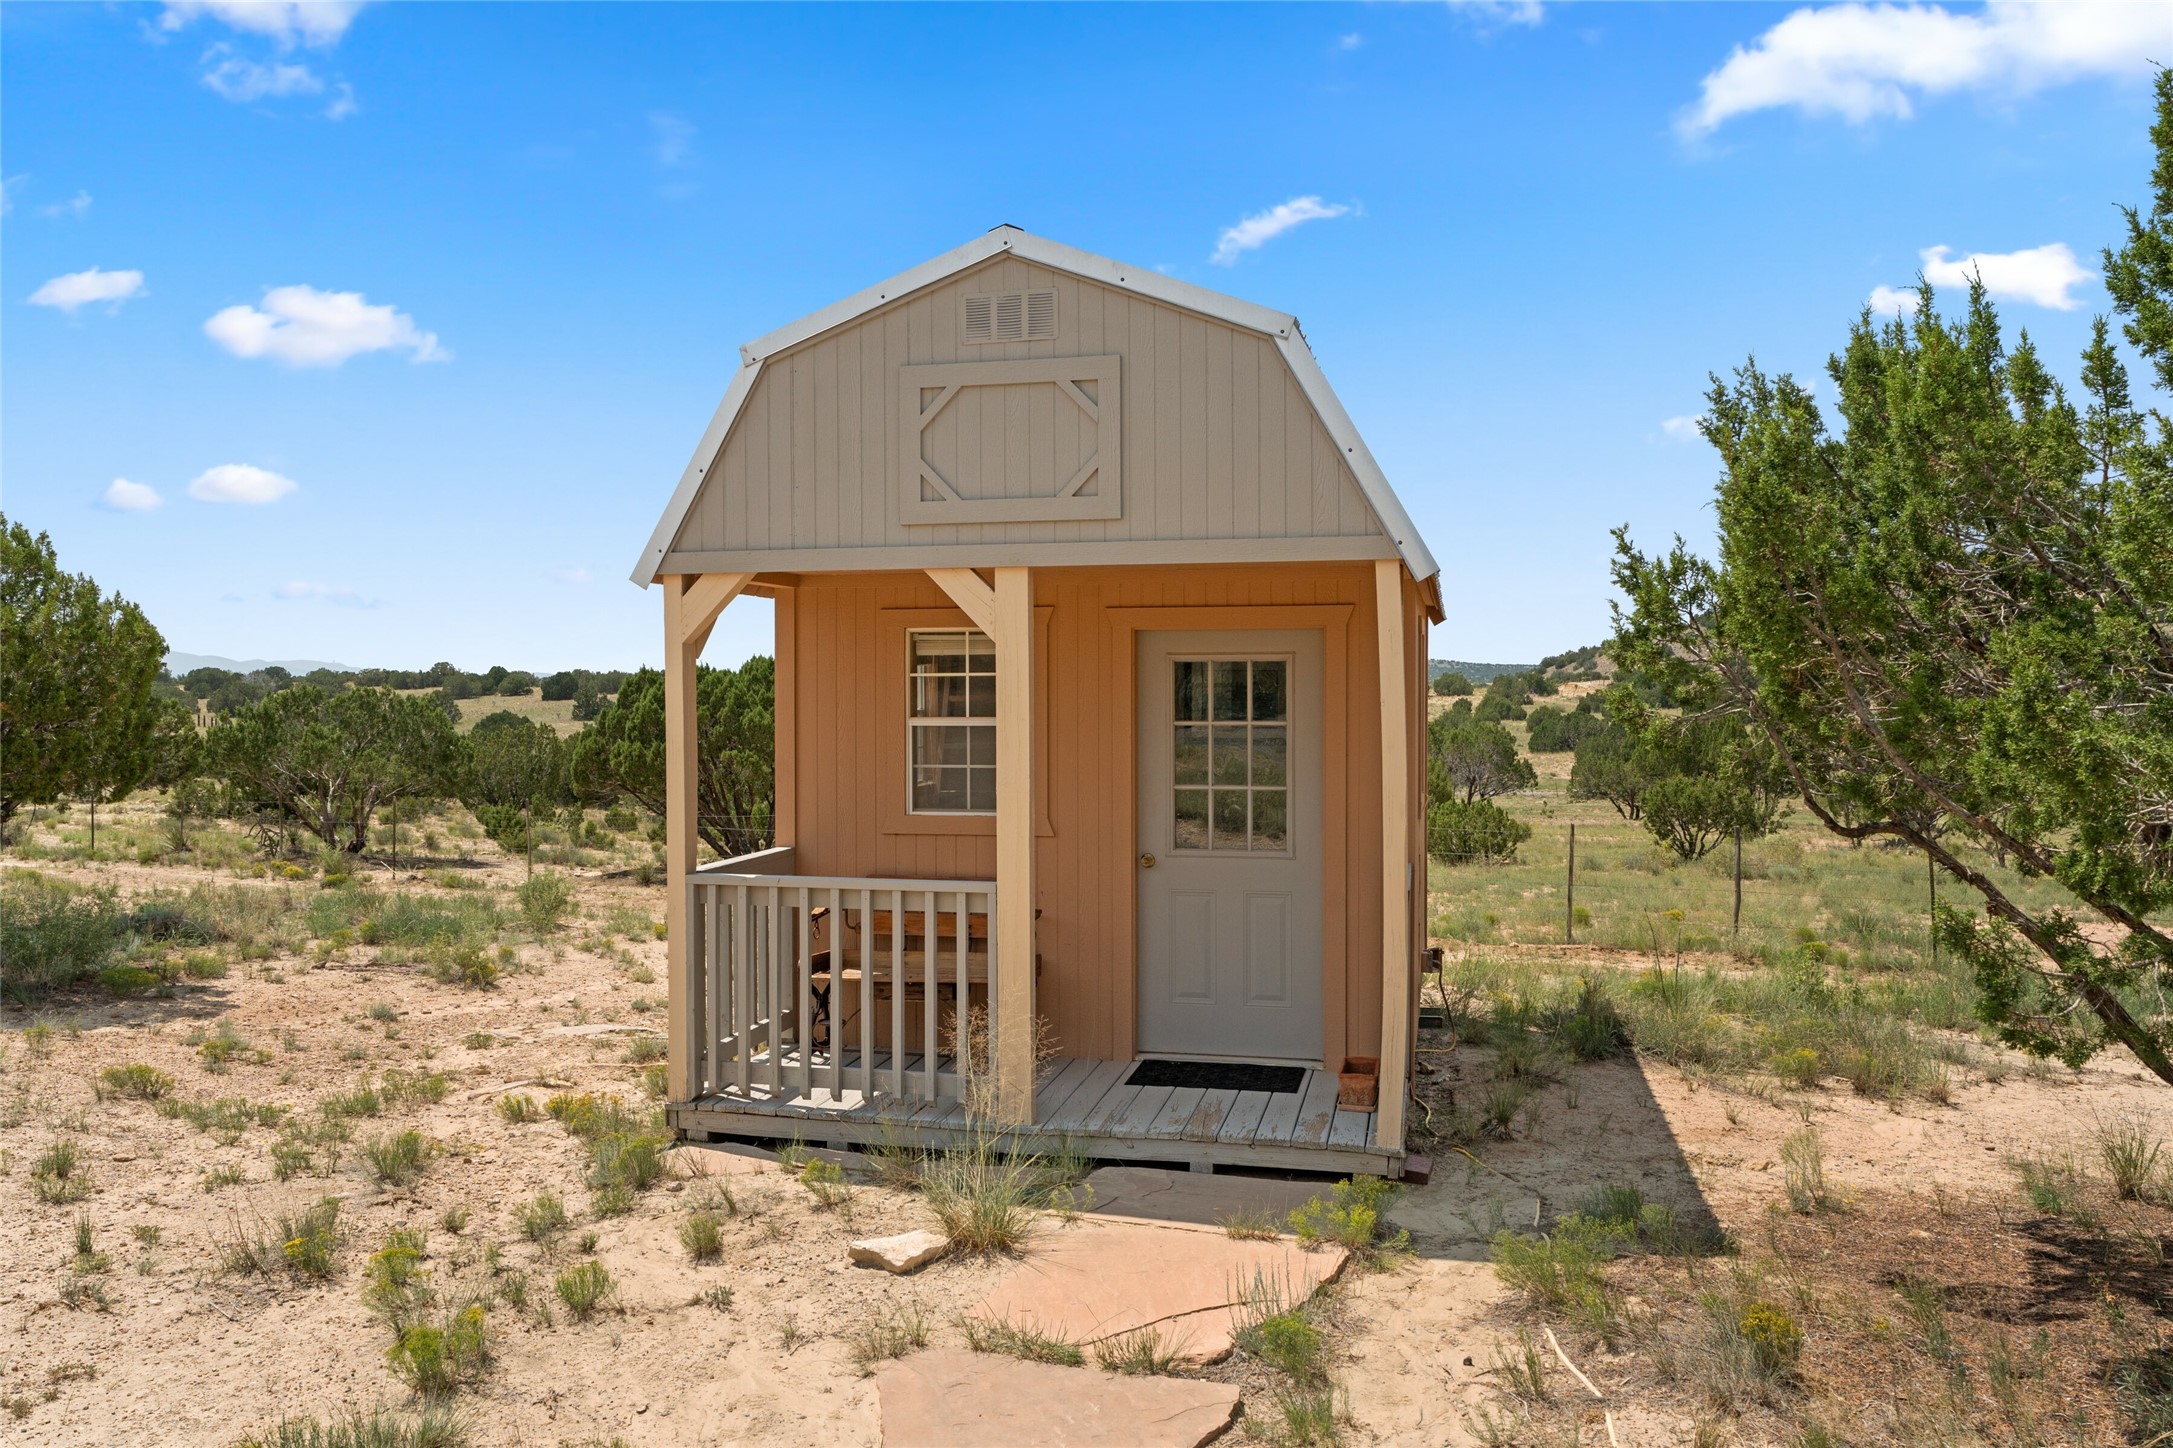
1481, 674
1588, 662
178, 663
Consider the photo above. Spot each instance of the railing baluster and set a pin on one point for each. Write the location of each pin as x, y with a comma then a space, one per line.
897, 993
931, 953
803, 1024
867, 993
714, 966
742, 981
777, 1011
837, 993
962, 1000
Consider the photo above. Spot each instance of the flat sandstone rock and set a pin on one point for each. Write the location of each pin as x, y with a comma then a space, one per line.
1103, 1278
906, 1252
1199, 1199
953, 1399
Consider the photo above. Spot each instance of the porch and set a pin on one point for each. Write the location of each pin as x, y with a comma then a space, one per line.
1089, 1105
860, 1010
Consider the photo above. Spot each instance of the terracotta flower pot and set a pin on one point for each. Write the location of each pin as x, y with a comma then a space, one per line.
1358, 1084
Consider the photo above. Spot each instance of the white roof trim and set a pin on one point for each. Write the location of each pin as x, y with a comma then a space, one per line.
1283, 327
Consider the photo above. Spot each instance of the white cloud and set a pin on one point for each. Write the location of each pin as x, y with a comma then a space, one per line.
123, 496
296, 590
240, 483
674, 137
1683, 428
571, 575
240, 79
77, 206
289, 22
304, 327
2045, 276
1351, 41
7, 192
1892, 301
1262, 227
1861, 62
343, 104
78, 289
1493, 14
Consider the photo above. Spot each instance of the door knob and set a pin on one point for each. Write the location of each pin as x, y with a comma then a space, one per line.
1146, 862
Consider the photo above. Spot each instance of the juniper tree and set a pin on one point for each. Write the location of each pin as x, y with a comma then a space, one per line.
1951, 616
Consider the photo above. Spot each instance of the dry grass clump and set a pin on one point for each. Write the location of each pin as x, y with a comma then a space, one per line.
1013, 1340
895, 1330
434, 1425
399, 1159
57, 1177
702, 1234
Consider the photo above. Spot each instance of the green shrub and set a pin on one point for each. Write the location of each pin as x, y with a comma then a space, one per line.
462, 962
1450, 684
1481, 831
126, 982
53, 937
136, 1082
545, 900
583, 1288
1286, 1340
1589, 1027
1775, 1339
57, 1176
399, 1159
1349, 1215
518, 1107
436, 1359
702, 1234
1553, 730
543, 1219
309, 1243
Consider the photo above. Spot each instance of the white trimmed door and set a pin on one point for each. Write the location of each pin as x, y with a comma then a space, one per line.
1229, 862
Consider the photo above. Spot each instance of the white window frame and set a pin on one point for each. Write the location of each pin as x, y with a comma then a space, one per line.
916, 722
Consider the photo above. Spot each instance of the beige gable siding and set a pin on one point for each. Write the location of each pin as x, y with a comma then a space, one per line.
1218, 440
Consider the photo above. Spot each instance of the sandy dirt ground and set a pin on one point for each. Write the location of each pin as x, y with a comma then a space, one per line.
188, 1353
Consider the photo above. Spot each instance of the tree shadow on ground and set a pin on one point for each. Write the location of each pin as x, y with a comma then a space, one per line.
1590, 1126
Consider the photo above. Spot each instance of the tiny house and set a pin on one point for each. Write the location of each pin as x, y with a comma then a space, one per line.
1100, 653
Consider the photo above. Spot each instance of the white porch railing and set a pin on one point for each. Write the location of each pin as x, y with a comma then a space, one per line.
814, 983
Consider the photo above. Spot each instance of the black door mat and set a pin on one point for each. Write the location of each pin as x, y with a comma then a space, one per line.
1217, 1075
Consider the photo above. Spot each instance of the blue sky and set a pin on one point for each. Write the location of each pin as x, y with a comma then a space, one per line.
429, 302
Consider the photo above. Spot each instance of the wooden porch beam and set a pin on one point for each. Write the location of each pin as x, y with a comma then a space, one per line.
1011, 625
705, 597
691, 606
974, 598
1396, 866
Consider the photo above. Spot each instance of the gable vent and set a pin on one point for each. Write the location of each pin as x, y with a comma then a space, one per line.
1011, 317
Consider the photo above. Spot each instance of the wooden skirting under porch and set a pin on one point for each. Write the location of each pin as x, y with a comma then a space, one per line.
1085, 1102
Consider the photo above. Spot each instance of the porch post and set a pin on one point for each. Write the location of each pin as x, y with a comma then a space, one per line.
1396, 867
691, 606
1013, 992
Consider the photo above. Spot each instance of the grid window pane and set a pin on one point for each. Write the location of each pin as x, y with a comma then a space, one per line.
1191, 689
1229, 819
1189, 762
1191, 832
1270, 689
951, 765
1243, 756
1230, 701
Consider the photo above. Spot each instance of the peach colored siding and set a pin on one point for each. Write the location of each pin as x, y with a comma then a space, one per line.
841, 763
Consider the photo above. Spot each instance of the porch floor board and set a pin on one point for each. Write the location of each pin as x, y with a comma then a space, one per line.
1085, 1100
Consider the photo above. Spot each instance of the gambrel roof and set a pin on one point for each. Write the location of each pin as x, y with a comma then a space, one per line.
1333, 495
